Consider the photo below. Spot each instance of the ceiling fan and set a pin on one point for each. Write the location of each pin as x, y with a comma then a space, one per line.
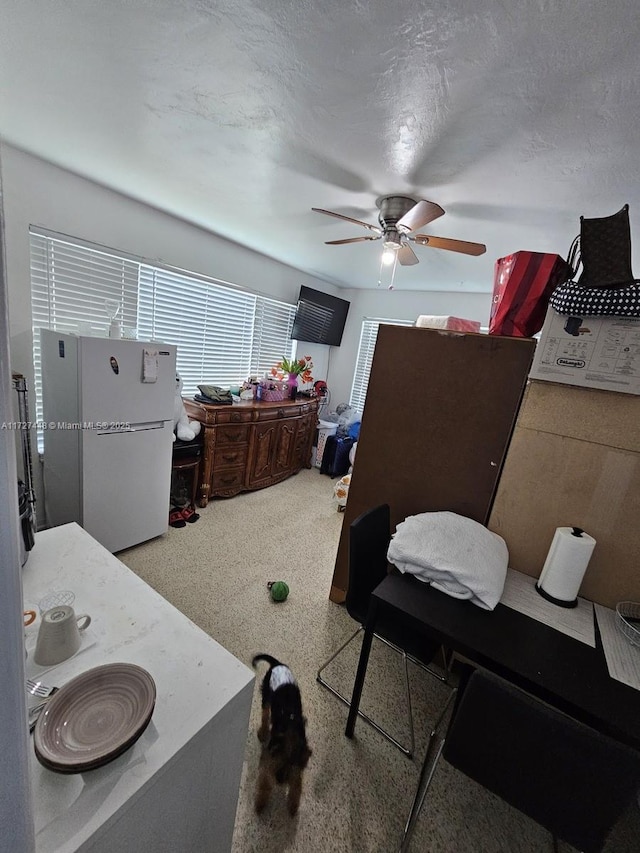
399, 216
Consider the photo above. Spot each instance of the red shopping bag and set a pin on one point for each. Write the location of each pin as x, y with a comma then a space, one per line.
522, 285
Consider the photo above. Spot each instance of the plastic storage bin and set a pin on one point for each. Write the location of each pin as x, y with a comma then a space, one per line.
325, 429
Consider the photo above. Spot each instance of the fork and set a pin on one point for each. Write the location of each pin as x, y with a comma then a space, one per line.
37, 688
34, 713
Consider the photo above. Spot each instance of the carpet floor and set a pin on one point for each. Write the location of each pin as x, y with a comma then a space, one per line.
357, 793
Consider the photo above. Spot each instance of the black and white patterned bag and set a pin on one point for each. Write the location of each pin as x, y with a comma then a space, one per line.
606, 285
572, 298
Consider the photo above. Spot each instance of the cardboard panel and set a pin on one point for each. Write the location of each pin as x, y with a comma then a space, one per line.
553, 481
603, 417
440, 410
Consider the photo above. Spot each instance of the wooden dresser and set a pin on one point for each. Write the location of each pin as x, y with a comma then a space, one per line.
251, 445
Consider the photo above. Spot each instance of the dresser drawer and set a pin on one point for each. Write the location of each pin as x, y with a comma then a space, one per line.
231, 415
231, 435
276, 413
229, 455
231, 479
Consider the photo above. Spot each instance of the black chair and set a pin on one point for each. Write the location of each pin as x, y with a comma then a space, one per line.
369, 537
563, 774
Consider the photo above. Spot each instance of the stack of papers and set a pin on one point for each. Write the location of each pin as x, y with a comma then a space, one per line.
623, 659
520, 594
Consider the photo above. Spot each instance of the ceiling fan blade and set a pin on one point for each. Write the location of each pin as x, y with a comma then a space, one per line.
420, 214
461, 246
348, 219
406, 256
350, 240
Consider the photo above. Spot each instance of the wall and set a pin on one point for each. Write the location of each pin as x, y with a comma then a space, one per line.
16, 819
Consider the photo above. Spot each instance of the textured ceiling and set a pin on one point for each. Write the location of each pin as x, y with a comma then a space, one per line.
240, 116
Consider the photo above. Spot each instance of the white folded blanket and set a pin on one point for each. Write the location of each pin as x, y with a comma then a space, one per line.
454, 554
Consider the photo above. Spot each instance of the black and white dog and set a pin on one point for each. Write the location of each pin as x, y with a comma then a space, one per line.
285, 752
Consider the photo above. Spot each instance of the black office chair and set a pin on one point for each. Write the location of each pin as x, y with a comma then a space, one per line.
568, 777
369, 537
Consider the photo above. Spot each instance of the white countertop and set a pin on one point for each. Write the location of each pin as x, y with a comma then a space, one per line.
195, 679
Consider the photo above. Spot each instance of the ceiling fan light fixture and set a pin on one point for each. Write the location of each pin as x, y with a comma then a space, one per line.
388, 265
389, 255
392, 242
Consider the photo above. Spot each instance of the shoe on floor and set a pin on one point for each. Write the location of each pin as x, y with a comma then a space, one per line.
189, 514
176, 519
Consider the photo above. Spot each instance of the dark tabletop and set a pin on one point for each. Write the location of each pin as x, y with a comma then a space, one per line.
553, 666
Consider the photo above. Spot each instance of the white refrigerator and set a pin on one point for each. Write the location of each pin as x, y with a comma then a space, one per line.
108, 435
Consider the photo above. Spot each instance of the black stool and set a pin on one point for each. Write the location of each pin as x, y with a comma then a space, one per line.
185, 461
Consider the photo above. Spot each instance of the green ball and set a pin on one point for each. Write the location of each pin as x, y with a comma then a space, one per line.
279, 591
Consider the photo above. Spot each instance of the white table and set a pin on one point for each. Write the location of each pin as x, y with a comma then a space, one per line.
176, 788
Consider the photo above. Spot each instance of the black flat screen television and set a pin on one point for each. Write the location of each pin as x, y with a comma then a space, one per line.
320, 318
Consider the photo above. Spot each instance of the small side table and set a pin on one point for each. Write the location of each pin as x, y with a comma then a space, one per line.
185, 462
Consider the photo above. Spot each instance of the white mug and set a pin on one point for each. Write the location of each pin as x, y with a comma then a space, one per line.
59, 635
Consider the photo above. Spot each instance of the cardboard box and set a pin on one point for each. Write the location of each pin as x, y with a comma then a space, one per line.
445, 450
593, 352
574, 460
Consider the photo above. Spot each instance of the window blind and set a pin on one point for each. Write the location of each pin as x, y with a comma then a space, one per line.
223, 334
211, 325
366, 347
70, 284
271, 335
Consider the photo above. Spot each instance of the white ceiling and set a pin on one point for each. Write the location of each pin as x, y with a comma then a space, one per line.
239, 116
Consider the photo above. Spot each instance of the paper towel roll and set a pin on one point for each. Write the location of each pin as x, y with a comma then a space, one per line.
565, 566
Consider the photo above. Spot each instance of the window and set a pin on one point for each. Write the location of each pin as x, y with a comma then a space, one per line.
224, 334
368, 336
